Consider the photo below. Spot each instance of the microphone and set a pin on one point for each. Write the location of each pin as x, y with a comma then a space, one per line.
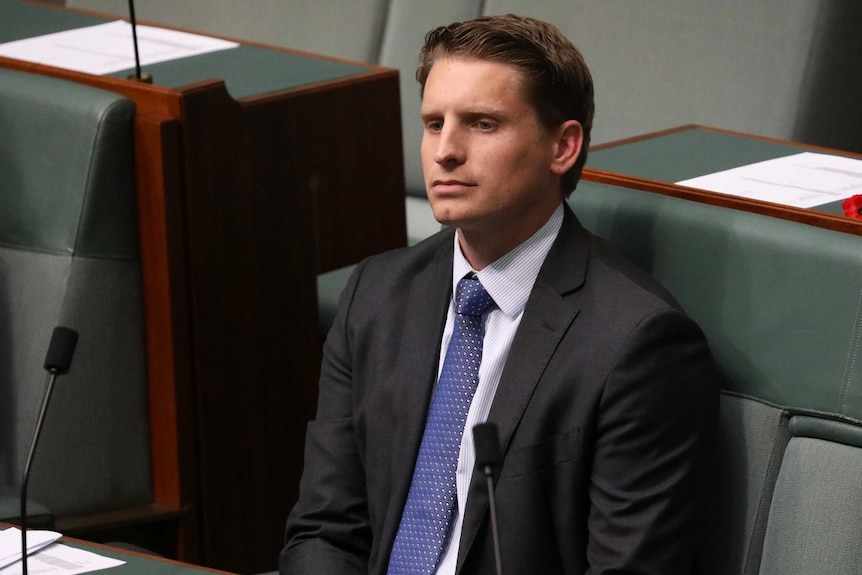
488, 459
57, 362
145, 78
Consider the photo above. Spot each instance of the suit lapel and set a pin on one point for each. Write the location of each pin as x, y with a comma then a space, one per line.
428, 297
547, 317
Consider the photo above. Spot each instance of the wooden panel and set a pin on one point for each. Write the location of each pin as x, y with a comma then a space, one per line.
161, 220
346, 156
251, 261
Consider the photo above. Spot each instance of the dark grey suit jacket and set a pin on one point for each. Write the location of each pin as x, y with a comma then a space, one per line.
606, 408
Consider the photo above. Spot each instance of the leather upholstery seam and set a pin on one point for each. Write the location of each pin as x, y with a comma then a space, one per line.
852, 356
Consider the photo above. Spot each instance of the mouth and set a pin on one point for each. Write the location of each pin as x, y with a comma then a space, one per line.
450, 186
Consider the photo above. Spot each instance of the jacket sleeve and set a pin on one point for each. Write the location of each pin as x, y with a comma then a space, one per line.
651, 469
327, 531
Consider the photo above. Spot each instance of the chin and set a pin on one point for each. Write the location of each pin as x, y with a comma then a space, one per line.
450, 212
443, 216
451, 219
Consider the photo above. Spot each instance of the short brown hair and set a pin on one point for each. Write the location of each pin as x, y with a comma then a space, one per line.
558, 83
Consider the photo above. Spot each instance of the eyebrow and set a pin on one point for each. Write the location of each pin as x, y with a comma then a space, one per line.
471, 115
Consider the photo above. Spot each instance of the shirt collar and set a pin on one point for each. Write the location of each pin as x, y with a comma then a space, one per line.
509, 280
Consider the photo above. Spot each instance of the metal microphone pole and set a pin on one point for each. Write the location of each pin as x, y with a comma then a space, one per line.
57, 362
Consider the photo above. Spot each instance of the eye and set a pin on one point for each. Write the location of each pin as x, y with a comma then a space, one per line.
434, 125
485, 125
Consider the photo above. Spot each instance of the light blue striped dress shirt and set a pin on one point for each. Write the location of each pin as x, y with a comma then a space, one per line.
509, 281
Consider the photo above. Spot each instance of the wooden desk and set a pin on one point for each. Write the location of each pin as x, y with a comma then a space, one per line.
283, 166
653, 163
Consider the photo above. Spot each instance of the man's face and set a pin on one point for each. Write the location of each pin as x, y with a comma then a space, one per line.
486, 160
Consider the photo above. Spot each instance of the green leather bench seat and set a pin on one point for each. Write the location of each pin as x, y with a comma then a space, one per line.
69, 256
814, 525
780, 304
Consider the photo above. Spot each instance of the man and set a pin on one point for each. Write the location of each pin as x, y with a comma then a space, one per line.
604, 392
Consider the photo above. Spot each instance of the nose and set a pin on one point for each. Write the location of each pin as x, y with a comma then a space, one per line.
450, 146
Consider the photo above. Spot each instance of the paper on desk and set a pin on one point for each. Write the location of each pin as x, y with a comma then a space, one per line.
803, 180
107, 48
47, 557
10, 543
58, 559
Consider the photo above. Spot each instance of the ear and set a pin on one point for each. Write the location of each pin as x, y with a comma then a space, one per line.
570, 138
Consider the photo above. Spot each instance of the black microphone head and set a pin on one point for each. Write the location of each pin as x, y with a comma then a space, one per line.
487, 445
60, 351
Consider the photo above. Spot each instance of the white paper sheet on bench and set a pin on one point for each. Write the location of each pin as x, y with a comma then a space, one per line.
107, 48
52, 558
802, 180
10, 543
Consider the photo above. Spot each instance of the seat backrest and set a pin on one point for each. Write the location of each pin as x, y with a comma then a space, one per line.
815, 524
780, 304
69, 256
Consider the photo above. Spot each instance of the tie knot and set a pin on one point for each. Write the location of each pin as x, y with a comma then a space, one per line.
471, 298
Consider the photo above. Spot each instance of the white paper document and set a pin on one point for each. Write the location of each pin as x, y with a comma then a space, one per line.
107, 48
10, 543
52, 558
803, 180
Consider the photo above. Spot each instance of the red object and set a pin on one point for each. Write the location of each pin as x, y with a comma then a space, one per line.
853, 206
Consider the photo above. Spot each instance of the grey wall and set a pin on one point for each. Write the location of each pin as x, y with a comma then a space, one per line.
831, 99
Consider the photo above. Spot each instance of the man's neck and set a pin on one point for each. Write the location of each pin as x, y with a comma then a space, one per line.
482, 247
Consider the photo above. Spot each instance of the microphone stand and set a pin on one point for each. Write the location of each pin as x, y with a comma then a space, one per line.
488, 458
145, 78
495, 535
27, 465
57, 362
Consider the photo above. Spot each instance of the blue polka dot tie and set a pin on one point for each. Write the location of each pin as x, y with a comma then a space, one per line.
431, 501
